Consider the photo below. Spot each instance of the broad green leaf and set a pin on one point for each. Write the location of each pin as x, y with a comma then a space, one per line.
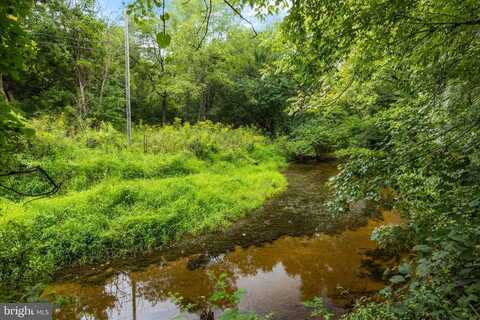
397, 279
165, 16
422, 248
404, 268
163, 40
457, 237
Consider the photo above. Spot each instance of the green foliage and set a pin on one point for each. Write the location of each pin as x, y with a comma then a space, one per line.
391, 87
14, 45
393, 239
406, 72
221, 295
13, 131
13, 41
75, 66
234, 314
318, 308
319, 134
112, 206
225, 299
163, 40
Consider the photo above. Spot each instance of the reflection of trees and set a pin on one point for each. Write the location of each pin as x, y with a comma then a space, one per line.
87, 302
159, 283
322, 262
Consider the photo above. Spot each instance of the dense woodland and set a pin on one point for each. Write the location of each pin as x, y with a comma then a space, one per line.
391, 88
75, 67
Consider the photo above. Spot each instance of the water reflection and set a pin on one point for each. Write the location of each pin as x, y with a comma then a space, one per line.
278, 273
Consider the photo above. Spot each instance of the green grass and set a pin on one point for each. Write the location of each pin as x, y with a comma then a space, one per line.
117, 201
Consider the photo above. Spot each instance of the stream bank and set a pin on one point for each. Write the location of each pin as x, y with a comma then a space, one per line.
288, 251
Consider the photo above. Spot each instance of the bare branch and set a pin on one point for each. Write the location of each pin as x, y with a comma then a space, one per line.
240, 15
334, 100
53, 190
453, 24
208, 14
205, 17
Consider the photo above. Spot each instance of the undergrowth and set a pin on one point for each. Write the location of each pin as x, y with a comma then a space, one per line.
117, 200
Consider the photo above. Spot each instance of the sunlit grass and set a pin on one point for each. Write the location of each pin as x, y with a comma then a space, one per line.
117, 201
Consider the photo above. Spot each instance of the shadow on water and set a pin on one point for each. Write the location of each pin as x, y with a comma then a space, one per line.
287, 252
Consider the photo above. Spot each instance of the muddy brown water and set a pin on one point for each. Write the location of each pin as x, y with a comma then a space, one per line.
288, 251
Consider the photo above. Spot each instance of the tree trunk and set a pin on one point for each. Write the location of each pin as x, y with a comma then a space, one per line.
104, 82
202, 110
164, 108
82, 99
2, 90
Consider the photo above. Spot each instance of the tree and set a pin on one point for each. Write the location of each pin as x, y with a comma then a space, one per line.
407, 71
13, 46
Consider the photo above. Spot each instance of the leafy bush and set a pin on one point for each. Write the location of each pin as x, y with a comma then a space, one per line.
318, 308
327, 132
13, 129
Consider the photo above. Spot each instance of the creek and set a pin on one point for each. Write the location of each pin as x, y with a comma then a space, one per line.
286, 252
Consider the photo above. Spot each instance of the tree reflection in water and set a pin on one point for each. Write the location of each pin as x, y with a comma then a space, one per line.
276, 275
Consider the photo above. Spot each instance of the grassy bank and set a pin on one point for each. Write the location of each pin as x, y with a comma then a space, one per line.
116, 201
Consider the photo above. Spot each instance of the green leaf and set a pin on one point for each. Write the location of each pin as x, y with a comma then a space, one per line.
163, 40
422, 248
423, 267
165, 16
457, 237
404, 268
475, 203
397, 279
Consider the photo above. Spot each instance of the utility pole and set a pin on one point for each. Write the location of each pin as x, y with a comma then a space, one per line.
127, 83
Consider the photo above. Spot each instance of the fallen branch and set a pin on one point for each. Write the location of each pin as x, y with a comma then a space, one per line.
55, 186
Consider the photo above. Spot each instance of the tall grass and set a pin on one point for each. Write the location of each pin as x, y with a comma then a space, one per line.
116, 201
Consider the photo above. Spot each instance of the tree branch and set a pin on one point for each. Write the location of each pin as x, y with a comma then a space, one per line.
240, 15
206, 19
55, 186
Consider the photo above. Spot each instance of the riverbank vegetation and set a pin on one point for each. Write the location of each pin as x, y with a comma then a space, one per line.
116, 201
397, 88
392, 88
